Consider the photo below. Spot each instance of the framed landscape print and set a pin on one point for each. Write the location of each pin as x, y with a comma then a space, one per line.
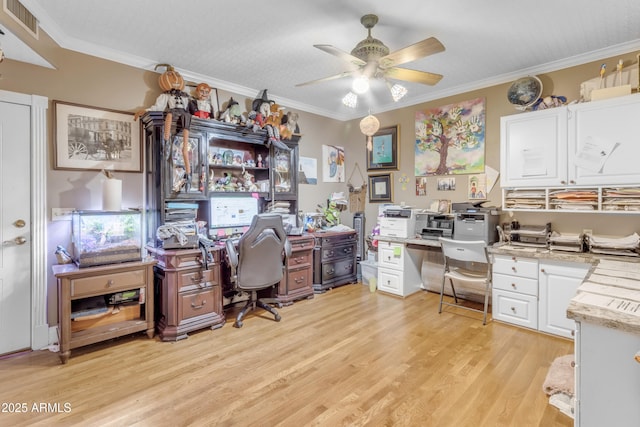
92, 138
384, 150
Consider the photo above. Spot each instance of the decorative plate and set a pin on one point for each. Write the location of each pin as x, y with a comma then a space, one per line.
525, 92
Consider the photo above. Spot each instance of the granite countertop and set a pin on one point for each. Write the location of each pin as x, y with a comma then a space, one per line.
609, 296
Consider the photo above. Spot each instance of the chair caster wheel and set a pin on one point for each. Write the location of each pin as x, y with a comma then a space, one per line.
237, 324
278, 317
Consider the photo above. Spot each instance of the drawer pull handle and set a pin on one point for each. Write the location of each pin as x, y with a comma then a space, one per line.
542, 270
197, 279
573, 364
513, 258
637, 357
513, 309
299, 259
299, 280
513, 285
109, 283
198, 307
513, 268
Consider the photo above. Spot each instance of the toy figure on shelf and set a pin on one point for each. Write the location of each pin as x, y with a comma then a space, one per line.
204, 103
289, 125
233, 114
174, 102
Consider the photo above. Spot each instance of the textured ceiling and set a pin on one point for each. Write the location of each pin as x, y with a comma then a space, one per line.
245, 46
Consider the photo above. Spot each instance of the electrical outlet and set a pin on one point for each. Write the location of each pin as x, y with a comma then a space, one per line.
61, 214
587, 231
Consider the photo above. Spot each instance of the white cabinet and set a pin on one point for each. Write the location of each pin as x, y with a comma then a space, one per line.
607, 376
515, 290
543, 148
533, 148
535, 294
610, 122
398, 269
558, 282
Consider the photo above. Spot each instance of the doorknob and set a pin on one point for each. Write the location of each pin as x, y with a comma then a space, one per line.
20, 223
20, 240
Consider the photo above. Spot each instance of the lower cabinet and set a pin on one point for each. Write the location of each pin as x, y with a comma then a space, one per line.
188, 292
334, 259
536, 293
399, 269
558, 283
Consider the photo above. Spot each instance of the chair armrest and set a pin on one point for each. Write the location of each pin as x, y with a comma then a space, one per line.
287, 250
232, 256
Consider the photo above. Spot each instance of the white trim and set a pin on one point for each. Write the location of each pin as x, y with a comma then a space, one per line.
39, 106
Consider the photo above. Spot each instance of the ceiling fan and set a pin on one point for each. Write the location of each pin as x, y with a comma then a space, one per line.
371, 59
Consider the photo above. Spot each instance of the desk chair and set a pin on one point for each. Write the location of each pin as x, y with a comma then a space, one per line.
259, 261
466, 261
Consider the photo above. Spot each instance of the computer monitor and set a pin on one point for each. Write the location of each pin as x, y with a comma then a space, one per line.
231, 215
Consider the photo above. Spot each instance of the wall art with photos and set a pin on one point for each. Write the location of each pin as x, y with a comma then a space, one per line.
92, 138
450, 139
384, 150
381, 188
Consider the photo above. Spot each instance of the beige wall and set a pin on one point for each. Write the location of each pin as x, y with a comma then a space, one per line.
92, 81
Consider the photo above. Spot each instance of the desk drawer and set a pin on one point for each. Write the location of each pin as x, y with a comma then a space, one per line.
390, 281
197, 278
299, 259
390, 255
109, 282
193, 304
517, 309
343, 251
299, 279
522, 267
516, 284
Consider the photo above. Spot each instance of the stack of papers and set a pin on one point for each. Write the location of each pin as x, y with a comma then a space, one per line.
569, 242
614, 245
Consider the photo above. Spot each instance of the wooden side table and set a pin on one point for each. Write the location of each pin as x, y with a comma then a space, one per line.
81, 283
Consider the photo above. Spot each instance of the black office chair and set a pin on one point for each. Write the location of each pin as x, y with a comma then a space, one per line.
259, 261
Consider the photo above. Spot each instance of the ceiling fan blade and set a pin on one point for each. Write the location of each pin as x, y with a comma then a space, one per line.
411, 53
413, 76
347, 57
325, 79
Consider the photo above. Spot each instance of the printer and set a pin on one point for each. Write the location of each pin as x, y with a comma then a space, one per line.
475, 222
398, 221
432, 225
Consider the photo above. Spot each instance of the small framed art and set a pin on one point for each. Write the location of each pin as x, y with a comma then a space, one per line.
380, 188
384, 150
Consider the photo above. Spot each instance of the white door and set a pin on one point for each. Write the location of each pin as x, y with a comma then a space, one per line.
15, 228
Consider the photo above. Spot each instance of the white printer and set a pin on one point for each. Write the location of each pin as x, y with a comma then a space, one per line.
398, 221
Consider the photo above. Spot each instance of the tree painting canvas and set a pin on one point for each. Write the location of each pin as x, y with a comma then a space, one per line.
450, 139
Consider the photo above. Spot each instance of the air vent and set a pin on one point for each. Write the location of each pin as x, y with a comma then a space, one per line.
19, 13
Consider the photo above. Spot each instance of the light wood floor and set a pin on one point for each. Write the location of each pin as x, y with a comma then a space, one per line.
346, 357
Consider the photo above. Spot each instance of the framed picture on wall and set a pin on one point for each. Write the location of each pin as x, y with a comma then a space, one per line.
384, 150
92, 138
380, 188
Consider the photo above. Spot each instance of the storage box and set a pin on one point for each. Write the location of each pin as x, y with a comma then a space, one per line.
101, 237
114, 314
369, 270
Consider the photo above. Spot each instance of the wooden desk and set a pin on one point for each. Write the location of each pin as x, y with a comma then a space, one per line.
79, 283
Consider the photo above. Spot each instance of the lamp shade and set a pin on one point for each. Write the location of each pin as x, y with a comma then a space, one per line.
369, 126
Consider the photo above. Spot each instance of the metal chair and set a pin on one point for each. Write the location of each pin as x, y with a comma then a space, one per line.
259, 261
466, 261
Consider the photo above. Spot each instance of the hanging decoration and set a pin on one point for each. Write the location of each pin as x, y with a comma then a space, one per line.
369, 126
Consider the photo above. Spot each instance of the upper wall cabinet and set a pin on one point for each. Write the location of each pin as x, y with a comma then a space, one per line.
593, 143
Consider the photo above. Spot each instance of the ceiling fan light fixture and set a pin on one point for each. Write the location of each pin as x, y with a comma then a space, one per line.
350, 100
360, 84
397, 91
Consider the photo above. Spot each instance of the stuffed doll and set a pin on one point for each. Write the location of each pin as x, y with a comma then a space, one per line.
174, 102
204, 103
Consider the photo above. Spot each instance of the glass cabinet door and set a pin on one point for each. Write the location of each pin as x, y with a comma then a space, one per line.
284, 171
178, 183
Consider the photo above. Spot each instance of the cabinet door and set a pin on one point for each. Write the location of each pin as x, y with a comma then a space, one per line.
533, 149
177, 185
605, 126
558, 283
285, 171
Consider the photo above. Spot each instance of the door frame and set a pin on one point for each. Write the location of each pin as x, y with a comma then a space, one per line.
38, 148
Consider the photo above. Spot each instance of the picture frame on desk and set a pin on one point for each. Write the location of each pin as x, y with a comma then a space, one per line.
92, 138
381, 188
384, 150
